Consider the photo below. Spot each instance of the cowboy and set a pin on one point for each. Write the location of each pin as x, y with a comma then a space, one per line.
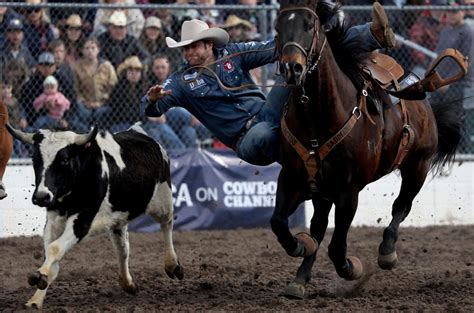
242, 118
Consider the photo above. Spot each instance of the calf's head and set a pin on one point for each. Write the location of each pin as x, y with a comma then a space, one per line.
56, 161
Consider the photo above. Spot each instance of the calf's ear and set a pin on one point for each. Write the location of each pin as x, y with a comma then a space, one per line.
18, 134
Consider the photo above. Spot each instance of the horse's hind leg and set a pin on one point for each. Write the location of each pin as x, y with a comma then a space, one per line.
413, 177
319, 223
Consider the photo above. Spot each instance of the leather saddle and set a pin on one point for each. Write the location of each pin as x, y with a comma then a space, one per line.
386, 72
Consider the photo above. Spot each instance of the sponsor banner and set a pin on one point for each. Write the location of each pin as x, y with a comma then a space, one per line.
214, 189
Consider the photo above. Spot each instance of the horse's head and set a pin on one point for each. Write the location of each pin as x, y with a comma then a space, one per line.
297, 30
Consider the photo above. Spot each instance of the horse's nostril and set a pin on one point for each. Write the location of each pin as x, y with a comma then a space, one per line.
297, 68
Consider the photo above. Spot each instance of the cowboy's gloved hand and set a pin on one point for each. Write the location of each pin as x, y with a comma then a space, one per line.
332, 17
157, 92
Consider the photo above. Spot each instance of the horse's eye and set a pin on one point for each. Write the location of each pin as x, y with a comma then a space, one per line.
310, 26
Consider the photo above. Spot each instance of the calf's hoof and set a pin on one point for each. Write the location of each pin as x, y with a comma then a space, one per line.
39, 280
389, 261
131, 289
177, 272
294, 291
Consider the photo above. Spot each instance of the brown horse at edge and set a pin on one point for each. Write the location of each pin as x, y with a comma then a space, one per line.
6, 146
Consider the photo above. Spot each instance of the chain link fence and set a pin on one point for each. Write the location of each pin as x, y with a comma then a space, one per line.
101, 59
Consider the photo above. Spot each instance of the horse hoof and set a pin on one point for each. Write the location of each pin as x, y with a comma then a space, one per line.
310, 244
294, 291
357, 268
389, 261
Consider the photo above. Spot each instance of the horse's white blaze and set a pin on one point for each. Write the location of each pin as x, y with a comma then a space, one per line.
291, 17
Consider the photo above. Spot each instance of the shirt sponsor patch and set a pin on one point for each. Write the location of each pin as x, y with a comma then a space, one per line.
190, 76
228, 66
197, 84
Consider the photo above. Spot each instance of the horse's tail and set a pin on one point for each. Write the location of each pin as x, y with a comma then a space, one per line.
450, 121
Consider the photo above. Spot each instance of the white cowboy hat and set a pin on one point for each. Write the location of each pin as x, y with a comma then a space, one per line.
195, 30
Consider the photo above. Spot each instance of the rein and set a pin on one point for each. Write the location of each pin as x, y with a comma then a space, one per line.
313, 157
219, 81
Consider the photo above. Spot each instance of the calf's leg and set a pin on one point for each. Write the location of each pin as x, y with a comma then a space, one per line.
161, 209
55, 225
119, 238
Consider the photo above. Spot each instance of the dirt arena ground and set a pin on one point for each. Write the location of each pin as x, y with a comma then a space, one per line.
245, 270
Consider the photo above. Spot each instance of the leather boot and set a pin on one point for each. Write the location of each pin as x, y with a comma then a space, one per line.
380, 29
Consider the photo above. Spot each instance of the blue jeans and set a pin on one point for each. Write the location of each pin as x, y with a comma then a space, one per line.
359, 39
260, 144
83, 117
163, 133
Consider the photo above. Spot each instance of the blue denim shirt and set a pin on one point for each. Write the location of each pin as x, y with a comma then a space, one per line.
222, 111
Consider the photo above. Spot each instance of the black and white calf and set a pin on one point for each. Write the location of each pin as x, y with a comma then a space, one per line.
96, 182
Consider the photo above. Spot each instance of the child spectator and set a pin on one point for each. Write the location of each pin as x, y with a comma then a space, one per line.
55, 104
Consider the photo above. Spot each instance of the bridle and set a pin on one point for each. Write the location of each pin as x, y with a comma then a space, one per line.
308, 53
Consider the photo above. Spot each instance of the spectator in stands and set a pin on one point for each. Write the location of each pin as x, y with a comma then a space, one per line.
177, 128
239, 30
73, 39
117, 45
39, 32
59, 14
459, 35
14, 47
17, 73
53, 103
152, 38
425, 32
135, 18
94, 79
126, 94
63, 69
46, 66
211, 16
7, 14
15, 116
244, 119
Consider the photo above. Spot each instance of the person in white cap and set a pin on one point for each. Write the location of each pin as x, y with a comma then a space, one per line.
152, 37
243, 119
117, 45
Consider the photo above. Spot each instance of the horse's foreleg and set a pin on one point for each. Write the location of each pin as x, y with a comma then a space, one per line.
288, 197
413, 178
349, 268
319, 223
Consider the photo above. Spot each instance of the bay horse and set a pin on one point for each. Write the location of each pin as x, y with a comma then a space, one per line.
332, 146
6, 146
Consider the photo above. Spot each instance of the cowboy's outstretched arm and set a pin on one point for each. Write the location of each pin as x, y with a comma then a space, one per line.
149, 103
